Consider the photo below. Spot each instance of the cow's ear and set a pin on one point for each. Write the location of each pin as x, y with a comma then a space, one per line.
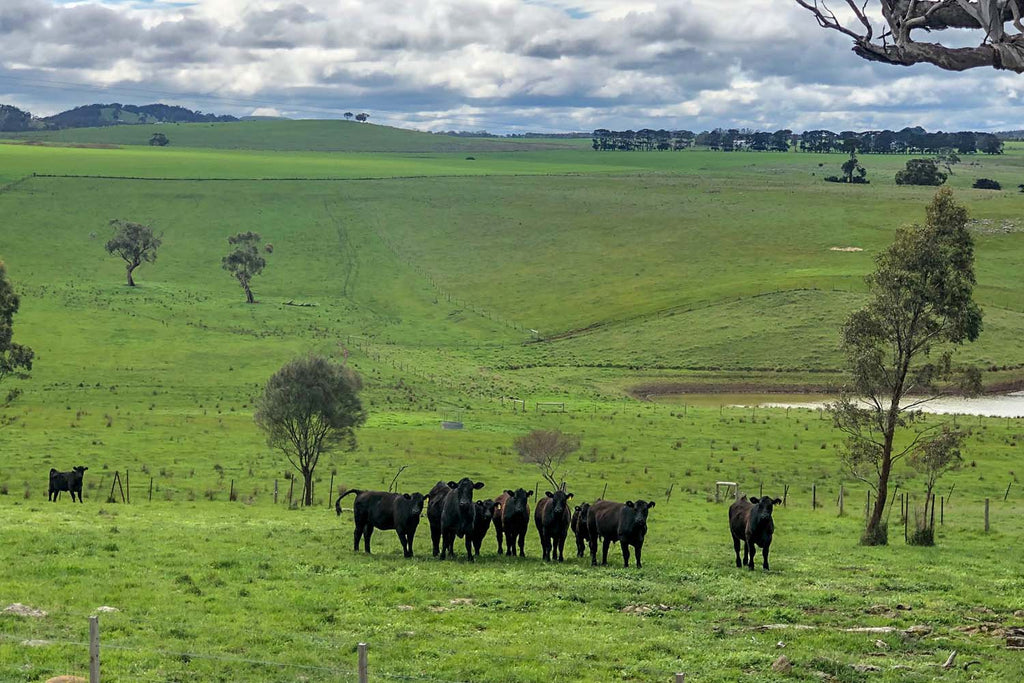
577, 508
650, 505
753, 499
568, 496
407, 496
548, 494
452, 485
529, 493
510, 492
629, 503
777, 501
480, 503
478, 485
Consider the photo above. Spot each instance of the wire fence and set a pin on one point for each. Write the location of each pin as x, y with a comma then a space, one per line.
99, 659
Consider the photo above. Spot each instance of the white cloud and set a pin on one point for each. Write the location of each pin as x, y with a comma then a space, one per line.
496, 64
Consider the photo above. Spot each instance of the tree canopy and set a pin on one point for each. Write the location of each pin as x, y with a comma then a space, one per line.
15, 359
308, 407
884, 31
135, 243
921, 300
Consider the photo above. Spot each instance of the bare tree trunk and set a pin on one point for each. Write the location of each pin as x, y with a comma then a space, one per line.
131, 280
307, 475
248, 293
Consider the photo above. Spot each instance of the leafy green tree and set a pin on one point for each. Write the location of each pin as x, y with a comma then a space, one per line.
921, 301
135, 243
244, 262
159, 140
852, 170
15, 359
920, 172
547, 449
309, 407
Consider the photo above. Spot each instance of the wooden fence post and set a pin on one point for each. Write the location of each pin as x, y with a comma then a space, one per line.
1007, 491
942, 510
363, 669
231, 492
785, 494
867, 507
330, 492
94, 649
841, 500
275, 492
128, 485
291, 489
986, 515
814, 496
680, 678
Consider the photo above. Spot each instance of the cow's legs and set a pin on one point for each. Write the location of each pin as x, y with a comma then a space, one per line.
580, 545
522, 540
435, 537
637, 549
593, 549
764, 556
405, 544
498, 534
366, 537
469, 547
510, 544
750, 551
625, 554
357, 534
736, 546
560, 547
448, 544
604, 555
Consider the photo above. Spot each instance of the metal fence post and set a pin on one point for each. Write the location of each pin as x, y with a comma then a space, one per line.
363, 673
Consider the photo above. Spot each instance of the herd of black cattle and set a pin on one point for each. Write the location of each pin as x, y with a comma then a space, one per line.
452, 512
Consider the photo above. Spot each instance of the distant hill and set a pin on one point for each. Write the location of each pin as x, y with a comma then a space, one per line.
332, 135
94, 115
13, 119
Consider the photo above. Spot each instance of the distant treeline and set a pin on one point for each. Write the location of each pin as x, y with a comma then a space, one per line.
906, 141
485, 134
13, 119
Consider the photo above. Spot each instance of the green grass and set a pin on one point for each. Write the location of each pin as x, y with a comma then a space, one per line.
694, 268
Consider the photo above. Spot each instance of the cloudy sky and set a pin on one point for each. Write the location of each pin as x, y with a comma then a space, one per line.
499, 65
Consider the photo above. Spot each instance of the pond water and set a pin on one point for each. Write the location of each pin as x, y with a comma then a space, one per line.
1005, 405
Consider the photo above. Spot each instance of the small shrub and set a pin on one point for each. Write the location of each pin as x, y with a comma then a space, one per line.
986, 184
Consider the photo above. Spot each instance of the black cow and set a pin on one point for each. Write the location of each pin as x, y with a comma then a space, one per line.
485, 511
66, 481
383, 510
458, 516
514, 520
751, 521
552, 519
434, 507
625, 523
579, 527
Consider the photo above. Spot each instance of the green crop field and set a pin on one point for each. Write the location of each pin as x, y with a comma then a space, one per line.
451, 284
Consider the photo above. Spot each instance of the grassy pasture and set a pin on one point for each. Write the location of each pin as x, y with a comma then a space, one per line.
251, 580
679, 264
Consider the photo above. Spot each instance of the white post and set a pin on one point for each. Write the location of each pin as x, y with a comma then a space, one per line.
94, 650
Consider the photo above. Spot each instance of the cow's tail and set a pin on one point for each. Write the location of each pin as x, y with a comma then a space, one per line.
337, 503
